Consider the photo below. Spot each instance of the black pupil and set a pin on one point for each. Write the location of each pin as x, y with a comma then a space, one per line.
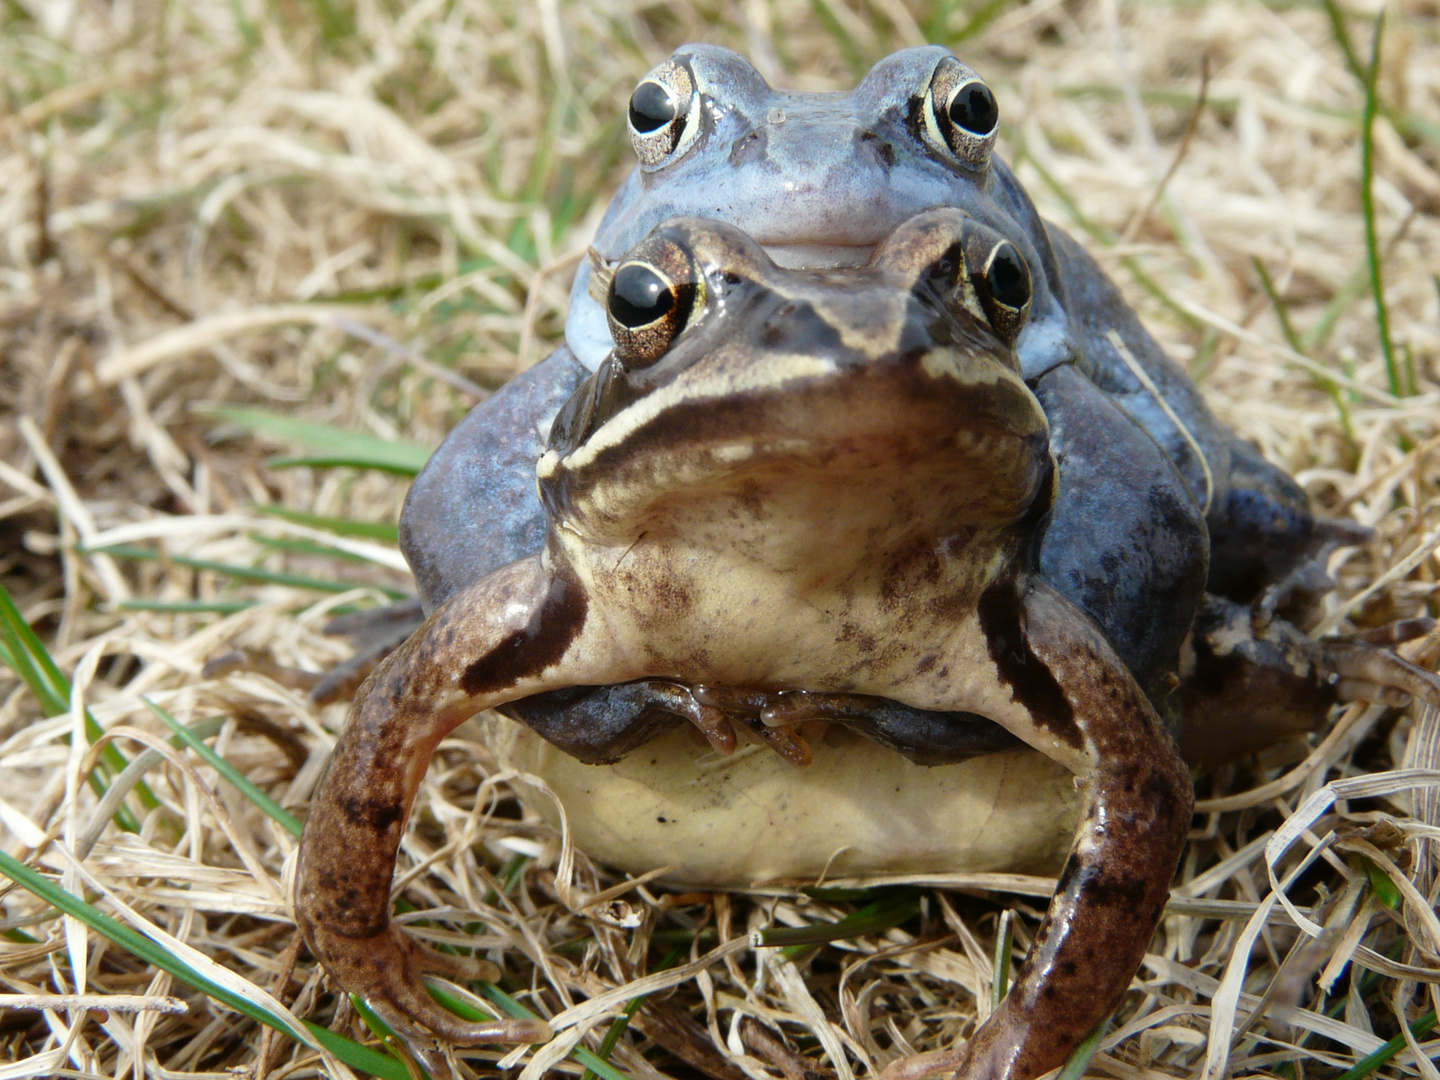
639, 296
972, 108
1009, 284
651, 108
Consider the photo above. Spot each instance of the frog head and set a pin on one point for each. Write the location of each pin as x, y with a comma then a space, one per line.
816, 179
788, 429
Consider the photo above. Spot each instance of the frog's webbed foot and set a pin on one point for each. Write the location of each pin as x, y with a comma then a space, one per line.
1072, 698
1248, 685
387, 971
601, 724
518, 632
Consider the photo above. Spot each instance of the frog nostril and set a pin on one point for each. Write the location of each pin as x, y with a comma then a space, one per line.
882, 150
749, 147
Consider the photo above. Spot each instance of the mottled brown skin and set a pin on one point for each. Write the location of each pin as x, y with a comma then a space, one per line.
342, 892
830, 481
1087, 949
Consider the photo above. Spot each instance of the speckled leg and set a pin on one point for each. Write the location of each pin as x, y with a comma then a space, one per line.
517, 631
1117, 878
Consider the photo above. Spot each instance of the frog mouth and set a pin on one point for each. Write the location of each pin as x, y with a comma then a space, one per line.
787, 256
818, 256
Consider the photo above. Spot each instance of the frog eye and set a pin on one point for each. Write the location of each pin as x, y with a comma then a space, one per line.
664, 115
651, 297
1002, 281
959, 115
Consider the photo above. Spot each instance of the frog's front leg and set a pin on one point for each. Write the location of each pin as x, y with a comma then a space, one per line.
518, 631
1079, 705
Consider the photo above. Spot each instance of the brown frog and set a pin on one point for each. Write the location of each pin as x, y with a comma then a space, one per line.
789, 494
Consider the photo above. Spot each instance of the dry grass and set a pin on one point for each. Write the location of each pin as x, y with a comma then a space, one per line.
199, 204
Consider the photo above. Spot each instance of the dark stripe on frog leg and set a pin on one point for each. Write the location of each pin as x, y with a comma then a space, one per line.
1029, 680
1113, 890
347, 855
556, 623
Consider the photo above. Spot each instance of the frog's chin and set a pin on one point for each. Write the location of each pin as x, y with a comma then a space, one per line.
588, 335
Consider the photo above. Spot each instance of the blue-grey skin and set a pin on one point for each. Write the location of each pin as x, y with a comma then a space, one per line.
818, 179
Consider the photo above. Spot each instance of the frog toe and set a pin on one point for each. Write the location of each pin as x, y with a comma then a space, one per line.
932, 1063
1364, 672
1247, 685
387, 970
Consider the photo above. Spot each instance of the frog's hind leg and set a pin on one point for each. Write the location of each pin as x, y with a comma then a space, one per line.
1248, 682
1073, 699
516, 632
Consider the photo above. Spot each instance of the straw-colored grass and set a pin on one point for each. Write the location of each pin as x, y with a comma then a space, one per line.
332, 210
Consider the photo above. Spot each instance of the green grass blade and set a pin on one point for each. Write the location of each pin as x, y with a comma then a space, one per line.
1004, 945
1380, 884
1108, 238
1341, 34
1324, 326
132, 940
893, 910
370, 530
621, 1022
303, 545
359, 1057
1367, 206
240, 781
187, 607
400, 466
1372, 1061
1282, 313
394, 1045
347, 1050
612, 1035
1074, 1068
1282, 316
28, 658
248, 573
31, 660
7, 657
338, 446
512, 1007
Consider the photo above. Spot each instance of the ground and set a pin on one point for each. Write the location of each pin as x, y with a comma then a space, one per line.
365, 216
